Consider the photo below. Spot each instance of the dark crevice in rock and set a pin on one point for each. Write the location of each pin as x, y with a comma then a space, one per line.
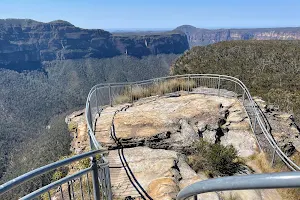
155, 142
219, 134
175, 165
226, 114
176, 94
201, 131
271, 108
294, 124
221, 106
221, 122
288, 149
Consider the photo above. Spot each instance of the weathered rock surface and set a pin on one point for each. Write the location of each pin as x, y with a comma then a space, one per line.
284, 129
78, 128
25, 44
162, 173
177, 122
240, 140
168, 126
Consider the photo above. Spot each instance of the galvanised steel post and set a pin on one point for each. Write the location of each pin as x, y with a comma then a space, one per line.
254, 130
273, 157
90, 115
235, 88
91, 143
109, 94
131, 96
219, 84
254, 124
97, 97
108, 183
188, 84
96, 186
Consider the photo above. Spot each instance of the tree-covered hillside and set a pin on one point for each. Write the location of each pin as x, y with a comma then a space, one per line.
270, 69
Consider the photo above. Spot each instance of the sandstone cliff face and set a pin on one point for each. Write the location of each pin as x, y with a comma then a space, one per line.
24, 44
201, 37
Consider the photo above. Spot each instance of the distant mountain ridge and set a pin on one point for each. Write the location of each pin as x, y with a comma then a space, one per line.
25, 43
202, 37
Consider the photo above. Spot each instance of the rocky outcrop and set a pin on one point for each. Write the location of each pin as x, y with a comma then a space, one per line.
155, 133
201, 37
176, 123
283, 127
78, 129
25, 44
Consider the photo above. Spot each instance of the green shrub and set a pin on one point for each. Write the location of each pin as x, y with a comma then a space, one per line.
84, 163
214, 159
72, 126
59, 173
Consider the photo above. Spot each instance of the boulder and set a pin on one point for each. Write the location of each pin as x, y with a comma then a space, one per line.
209, 136
296, 143
185, 138
243, 141
163, 188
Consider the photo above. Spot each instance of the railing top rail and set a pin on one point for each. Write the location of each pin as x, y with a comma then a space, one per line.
256, 181
160, 78
39, 171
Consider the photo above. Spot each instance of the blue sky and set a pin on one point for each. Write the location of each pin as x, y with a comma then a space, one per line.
161, 14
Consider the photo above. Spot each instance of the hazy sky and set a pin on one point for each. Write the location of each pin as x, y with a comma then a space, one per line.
125, 14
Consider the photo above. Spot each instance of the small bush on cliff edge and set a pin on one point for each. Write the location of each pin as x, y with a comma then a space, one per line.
214, 159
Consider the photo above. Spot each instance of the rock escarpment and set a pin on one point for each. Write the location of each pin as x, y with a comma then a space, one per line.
25, 44
156, 132
176, 123
201, 37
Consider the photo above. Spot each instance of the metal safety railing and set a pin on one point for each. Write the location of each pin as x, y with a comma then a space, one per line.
114, 93
103, 95
110, 94
92, 182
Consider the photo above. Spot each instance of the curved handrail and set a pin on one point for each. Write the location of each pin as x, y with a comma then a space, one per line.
39, 171
258, 118
254, 181
56, 184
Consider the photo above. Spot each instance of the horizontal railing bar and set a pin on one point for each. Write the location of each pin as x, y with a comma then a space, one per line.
247, 182
55, 184
29, 175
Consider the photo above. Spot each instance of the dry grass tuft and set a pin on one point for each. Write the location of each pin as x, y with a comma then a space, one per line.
265, 166
159, 88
